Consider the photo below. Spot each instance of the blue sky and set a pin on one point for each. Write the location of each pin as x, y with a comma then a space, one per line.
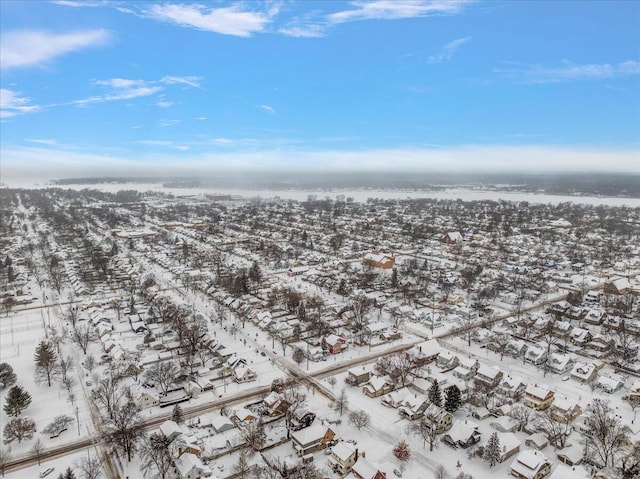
94, 88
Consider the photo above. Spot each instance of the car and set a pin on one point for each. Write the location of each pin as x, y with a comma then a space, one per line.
352, 441
565, 378
397, 473
328, 451
46, 472
88, 383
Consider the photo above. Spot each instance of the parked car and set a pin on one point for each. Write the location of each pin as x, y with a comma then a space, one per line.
46, 472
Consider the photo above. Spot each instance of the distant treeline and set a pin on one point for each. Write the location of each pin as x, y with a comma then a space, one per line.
586, 184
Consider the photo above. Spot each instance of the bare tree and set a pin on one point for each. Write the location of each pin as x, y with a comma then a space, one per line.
605, 436
254, 434
359, 419
400, 367
106, 393
37, 449
242, 468
163, 374
426, 430
155, 455
90, 468
90, 362
19, 428
555, 431
66, 364
440, 473
341, 402
124, 428
82, 335
5, 457
521, 415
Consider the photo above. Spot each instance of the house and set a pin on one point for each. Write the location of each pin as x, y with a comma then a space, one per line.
243, 415
189, 466
379, 260
186, 444
566, 472
221, 423
414, 407
462, 434
275, 404
438, 417
363, 469
302, 418
585, 373
609, 384
447, 360
146, 399
565, 410
504, 424
538, 397
312, 438
243, 374
536, 355
170, 430
634, 394
424, 353
489, 376
530, 464
335, 344
571, 456
377, 387
396, 398
580, 336
510, 445
560, 363
453, 237
536, 441
342, 458
512, 386
617, 287
464, 373
357, 376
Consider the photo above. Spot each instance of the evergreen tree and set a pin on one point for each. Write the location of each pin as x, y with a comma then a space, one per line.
68, 474
435, 395
7, 376
453, 399
177, 416
492, 450
402, 451
17, 400
394, 278
46, 361
342, 288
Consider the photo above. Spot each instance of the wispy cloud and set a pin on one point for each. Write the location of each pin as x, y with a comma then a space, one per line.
164, 104
396, 9
25, 48
168, 123
193, 81
12, 104
80, 3
568, 71
268, 109
448, 50
234, 20
163, 143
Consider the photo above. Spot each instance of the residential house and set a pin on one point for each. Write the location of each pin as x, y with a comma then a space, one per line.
530, 464
243, 374
414, 407
312, 438
538, 397
379, 260
560, 363
396, 398
189, 466
536, 355
357, 376
447, 360
510, 445
585, 373
342, 458
363, 469
489, 376
516, 348
275, 404
512, 386
634, 394
453, 237
424, 353
243, 415
462, 434
536, 441
504, 424
580, 336
221, 423
565, 410
170, 430
566, 472
377, 386
439, 418
335, 344
302, 418
600, 346
609, 384
146, 399
571, 456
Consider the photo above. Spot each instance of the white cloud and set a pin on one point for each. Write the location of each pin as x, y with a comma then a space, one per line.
12, 104
396, 9
164, 104
448, 50
304, 31
168, 123
193, 81
233, 20
26, 48
268, 109
533, 73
